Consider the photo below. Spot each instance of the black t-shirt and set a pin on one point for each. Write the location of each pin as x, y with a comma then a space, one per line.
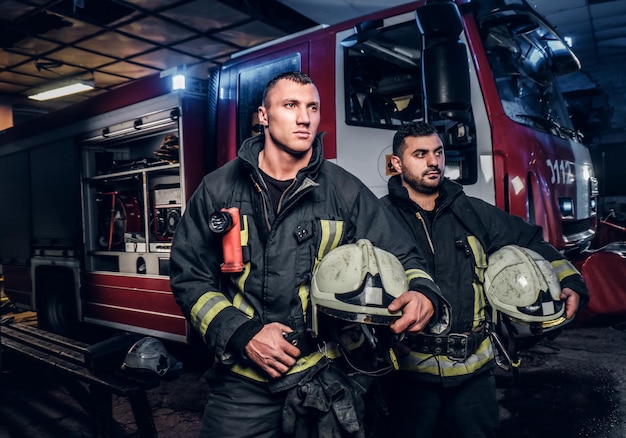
275, 187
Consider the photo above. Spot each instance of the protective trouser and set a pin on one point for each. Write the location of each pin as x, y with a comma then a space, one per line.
419, 409
238, 407
326, 404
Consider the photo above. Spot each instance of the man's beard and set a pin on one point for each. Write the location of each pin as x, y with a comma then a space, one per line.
418, 185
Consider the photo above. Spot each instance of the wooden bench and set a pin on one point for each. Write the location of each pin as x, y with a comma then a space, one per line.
92, 390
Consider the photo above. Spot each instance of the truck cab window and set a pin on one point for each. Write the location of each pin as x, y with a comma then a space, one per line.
383, 78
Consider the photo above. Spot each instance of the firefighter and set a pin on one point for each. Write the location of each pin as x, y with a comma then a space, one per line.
292, 207
448, 382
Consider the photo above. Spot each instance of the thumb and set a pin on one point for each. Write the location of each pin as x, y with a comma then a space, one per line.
397, 304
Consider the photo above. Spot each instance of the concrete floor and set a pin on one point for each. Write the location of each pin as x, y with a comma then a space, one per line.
573, 386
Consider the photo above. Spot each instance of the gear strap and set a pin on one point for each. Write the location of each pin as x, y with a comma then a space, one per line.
457, 346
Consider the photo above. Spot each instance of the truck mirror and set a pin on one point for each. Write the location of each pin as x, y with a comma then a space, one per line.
444, 64
446, 80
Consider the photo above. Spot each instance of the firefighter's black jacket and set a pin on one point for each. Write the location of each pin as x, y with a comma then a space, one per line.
456, 243
323, 208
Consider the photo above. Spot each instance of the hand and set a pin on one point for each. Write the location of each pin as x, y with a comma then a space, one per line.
572, 300
269, 350
416, 310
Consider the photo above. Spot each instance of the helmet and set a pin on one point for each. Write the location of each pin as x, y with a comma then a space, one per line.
356, 282
523, 291
149, 354
169, 149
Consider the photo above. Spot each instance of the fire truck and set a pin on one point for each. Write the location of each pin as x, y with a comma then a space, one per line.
97, 189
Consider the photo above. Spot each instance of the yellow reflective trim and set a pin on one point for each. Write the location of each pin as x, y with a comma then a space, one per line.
302, 364
440, 365
332, 232
417, 273
331, 235
480, 261
240, 280
394, 359
563, 269
479, 305
244, 230
480, 257
240, 302
303, 294
203, 312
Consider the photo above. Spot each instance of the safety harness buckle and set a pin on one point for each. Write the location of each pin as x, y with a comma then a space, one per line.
458, 347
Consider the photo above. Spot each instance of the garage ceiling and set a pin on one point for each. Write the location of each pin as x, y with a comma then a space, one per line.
116, 41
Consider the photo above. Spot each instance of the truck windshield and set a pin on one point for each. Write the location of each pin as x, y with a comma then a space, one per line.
524, 57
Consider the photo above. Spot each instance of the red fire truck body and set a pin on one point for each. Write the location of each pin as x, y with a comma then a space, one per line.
100, 191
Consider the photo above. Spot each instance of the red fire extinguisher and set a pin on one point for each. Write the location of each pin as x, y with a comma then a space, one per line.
226, 223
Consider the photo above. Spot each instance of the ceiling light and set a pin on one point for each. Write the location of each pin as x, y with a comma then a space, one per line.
178, 75
64, 89
178, 82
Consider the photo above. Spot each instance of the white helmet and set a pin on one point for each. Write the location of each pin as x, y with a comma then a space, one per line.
356, 282
524, 292
149, 354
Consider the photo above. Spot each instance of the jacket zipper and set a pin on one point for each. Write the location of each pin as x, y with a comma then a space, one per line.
265, 213
282, 196
418, 215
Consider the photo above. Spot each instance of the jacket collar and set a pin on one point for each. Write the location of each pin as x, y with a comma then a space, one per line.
251, 147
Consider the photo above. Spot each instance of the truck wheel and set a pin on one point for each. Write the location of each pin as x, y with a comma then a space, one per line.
56, 307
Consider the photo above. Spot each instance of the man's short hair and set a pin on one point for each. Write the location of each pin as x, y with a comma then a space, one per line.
413, 129
294, 76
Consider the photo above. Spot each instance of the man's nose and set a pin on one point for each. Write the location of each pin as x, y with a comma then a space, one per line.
432, 160
303, 116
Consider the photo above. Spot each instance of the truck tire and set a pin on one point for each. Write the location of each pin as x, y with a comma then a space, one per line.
56, 303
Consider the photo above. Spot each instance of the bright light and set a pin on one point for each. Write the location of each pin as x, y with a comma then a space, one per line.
64, 90
586, 173
178, 82
567, 207
568, 41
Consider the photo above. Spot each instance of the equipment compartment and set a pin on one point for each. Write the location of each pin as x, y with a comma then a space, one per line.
132, 194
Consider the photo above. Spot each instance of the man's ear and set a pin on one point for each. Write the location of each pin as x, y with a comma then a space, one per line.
262, 114
396, 163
